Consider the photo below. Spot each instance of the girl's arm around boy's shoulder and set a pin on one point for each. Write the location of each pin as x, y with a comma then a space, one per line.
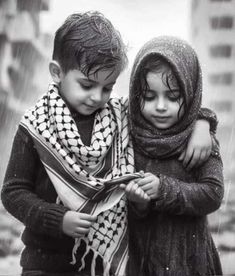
196, 198
19, 192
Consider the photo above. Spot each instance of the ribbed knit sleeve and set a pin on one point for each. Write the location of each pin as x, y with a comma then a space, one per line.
20, 191
195, 198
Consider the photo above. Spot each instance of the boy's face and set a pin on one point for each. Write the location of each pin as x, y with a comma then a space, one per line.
87, 94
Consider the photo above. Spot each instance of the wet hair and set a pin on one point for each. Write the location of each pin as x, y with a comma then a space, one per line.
155, 64
88, 41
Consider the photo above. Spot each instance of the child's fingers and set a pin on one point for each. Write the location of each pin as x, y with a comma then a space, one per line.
198, 158
187, 157
135, 192
87, 217
146, 197
201, 158
131, 186
141, 194
138, 191
194, 159
153, 196
208, 153
204, 156
182, 155
122, 186
85, 224
147, 187
143, 181
79, 231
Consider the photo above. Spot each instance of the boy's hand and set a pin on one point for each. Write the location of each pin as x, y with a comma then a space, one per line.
199, 146
77, 224
149, 184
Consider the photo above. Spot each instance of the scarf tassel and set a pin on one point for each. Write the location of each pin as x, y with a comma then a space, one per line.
106, 268
75, 247
106, 264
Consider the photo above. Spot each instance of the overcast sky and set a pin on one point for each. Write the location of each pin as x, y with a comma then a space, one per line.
137, 20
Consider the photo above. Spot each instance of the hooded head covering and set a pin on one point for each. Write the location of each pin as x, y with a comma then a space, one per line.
183, 61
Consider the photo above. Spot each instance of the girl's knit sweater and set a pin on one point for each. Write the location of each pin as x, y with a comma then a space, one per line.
172, 237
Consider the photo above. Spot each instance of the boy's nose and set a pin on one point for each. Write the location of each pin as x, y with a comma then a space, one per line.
96, 95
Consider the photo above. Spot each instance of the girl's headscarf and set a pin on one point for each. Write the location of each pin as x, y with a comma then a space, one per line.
180, 56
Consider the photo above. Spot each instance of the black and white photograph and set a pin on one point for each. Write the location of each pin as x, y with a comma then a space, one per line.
117, 129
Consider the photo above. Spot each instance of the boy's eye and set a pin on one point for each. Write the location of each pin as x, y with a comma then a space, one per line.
85, 86
107, 89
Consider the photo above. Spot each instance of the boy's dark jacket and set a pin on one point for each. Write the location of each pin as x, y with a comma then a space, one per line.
172, 237
46, 247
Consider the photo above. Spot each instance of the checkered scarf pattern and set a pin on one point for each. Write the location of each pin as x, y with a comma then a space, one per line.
72, 168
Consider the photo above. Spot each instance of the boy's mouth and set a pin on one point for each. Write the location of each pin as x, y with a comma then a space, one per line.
91, 106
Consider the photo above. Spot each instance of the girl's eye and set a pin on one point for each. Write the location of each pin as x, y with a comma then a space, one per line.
149, 96
174, 96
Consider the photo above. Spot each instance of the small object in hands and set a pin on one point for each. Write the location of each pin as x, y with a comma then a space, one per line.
124, 179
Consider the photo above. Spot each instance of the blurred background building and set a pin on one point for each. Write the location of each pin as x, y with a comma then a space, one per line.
213, 36
24, 55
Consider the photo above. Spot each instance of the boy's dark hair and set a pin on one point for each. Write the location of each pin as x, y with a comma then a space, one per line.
88, 41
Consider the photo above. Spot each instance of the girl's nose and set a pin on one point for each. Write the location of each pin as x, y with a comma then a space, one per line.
161, 104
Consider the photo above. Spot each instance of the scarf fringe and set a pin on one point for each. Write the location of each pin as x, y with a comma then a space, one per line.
106, 264
58, 201
93, 263
77, 243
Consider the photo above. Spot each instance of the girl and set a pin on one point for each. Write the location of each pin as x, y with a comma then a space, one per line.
168, 227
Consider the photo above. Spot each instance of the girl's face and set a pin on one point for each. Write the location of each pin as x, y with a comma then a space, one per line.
162, 101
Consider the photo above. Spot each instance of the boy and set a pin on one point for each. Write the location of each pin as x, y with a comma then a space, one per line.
73, 139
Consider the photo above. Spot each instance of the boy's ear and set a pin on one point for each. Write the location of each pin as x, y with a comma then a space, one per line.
55, 71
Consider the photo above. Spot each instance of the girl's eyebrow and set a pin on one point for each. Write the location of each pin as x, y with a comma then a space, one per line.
175, 90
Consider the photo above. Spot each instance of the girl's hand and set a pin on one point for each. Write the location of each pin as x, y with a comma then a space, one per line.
77, 224
149, 184
134, 193
199, 146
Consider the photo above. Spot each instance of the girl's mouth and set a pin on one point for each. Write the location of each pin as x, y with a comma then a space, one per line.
161, 118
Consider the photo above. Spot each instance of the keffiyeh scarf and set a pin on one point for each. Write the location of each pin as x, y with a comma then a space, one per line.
72, 168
